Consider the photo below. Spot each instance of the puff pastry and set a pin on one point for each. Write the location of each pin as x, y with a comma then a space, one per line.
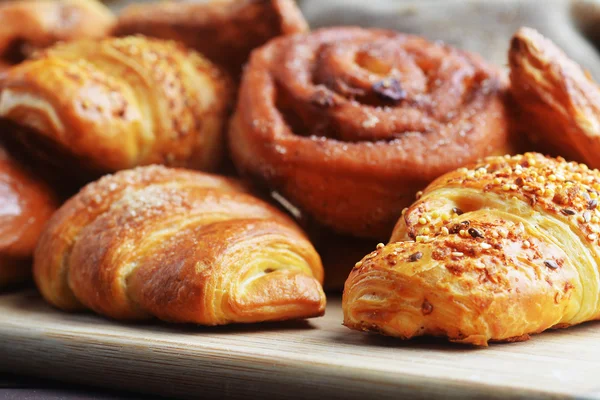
29, 25
497, 251
349, 123
26, 203
111, 104
179, 245
225, 31
558, 100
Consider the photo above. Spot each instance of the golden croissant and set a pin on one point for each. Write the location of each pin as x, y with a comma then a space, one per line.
179, 245
558, 100
497, 251
26, 203
111, 104
29, 25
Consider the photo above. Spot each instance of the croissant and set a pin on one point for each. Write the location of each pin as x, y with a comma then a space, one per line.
97, 106
348, 124
26, 203
558, 100
497, 251
224, 31
179, 245
29, 25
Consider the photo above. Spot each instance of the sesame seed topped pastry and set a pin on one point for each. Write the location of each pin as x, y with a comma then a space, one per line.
502, 249
98, 106
558, 100
348, 124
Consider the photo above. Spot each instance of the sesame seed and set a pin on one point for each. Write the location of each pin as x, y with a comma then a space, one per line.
592, 204
445, 231
419, 194
457, 254
504, 233
513, 187
415, 256
404, 211
462, 233
551, 264
552, 178
567, 211
587, 216
592, 236
422, 238
435, 214
475, 233
526, 244
358, 264
426, 231
506, 187
457, 211
380, 245
422, 221
485, 246
495, 234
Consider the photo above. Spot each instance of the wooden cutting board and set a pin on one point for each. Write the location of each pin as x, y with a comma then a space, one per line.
316, 359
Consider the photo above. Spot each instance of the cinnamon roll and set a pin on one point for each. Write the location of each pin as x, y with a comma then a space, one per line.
348, 123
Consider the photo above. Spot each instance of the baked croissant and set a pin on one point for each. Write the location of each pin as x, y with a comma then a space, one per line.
179, 245
26, 203
497, 251
225, 31
558, 100
348, 124
105, 105
29, 25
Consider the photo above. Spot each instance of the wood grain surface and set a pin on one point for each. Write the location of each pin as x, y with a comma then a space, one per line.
317, 358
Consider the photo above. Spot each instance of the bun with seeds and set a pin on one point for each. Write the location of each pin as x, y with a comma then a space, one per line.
348, 124
90, 107
497, 251
178, 245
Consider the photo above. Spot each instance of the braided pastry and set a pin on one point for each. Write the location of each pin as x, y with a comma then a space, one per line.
28, 25
348, 123
25, 205
224, 31
118, 103
178, 245
494, 252
558, 100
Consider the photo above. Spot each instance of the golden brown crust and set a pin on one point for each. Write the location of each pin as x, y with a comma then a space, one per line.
118, 103
181, 246
30, 25
558, 100
25, 205
225, 31
497, 251
348, 123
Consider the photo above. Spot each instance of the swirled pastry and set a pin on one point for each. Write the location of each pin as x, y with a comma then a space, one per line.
115, 103
349, 123
179, 245
26, 203
225, 31
29, 25
558, 100
497, 251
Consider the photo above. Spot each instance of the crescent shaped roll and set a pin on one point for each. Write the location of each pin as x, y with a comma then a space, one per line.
348, 123
26, 203
497, 251
29, 25
225, 31
558, 100
116, 103
179, 245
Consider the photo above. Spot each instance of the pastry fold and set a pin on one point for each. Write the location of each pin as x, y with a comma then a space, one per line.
497, 251
179, 245
104, 105
558, 101
30, 25
225, 31
349, 123
26, 203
